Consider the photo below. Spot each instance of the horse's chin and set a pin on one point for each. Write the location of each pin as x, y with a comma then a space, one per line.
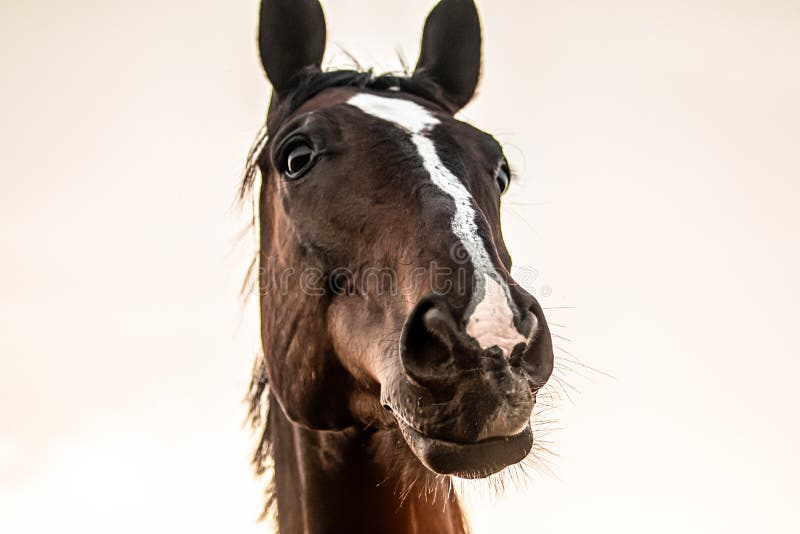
468, 460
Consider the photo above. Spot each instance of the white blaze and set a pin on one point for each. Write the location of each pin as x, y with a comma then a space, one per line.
492, 321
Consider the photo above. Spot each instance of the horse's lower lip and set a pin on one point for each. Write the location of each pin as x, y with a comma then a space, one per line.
468, 460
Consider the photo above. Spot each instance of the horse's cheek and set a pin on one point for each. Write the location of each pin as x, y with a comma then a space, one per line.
315, 399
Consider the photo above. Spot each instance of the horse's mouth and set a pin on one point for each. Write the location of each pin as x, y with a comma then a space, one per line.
468, 460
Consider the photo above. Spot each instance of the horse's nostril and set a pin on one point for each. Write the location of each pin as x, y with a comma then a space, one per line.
387, 408
433, 342
441, 325
527, 323
537, 359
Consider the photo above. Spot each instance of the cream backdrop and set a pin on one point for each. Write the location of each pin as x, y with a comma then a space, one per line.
658, 144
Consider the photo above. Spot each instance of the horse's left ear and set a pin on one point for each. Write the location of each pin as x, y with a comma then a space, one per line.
451, 50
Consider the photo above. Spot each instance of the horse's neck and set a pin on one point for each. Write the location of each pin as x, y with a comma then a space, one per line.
330, 482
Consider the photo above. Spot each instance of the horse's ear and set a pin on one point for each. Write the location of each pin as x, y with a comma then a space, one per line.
451, 50
291, 38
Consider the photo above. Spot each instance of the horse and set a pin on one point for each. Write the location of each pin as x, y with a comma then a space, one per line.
398, 353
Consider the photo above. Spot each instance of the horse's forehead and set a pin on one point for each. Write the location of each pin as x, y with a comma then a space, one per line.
406, 114
397, 108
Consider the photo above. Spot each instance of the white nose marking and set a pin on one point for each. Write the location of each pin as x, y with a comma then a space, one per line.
492, 321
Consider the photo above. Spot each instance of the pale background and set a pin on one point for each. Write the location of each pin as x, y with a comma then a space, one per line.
659, 148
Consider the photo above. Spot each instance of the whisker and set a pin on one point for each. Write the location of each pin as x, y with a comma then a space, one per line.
524, 220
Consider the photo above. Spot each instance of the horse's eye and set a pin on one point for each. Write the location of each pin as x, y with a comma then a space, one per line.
503, 177
298, 158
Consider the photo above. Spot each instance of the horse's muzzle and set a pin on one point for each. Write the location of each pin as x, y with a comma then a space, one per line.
465, 410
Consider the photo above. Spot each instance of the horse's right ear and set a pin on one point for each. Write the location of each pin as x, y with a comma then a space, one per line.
451, 50
291, 38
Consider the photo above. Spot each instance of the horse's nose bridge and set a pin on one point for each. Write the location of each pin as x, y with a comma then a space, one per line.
476, 281
456, 220
491, 313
